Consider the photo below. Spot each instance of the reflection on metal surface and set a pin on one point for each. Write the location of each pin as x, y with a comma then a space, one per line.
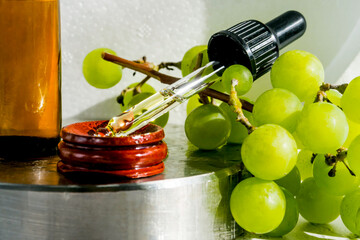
190, 200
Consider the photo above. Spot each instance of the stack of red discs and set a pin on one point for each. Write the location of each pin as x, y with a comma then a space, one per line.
138, 155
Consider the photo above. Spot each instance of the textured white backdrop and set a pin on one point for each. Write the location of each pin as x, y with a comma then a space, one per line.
163, 30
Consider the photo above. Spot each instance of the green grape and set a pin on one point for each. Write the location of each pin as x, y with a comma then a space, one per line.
160, 121
100, 73
291, 216
354, 131
342, 183
350, 100
322, 127
269, 152
207, 127
291, 181
277, 106
299, 72
353, 156
241, 74
129, 95
350, 211
316, 205
258, 205
304, 163
238, 131
193, 102
188, 59
334, 96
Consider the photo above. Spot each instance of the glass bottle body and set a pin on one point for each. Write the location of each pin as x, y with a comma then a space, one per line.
30, 99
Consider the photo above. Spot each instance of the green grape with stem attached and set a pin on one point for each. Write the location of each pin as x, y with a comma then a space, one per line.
315, 204
162, 120
188, 58
322, 127
238, 131
241, 74
350, 211
258, 205
351, 99
340, 184
304, 163
100, 73
130, 94
207, 127
291, 216
291, 181
269, 152
353, 155
299, 72
277, 106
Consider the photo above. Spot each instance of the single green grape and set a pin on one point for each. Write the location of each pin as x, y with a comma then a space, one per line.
354, 131
350, 211
350, 100
291, 181
238, 131
322, 127
129, 95
207, 127
269, 152
160, 121
188, 59
291, 216
304, 163
340, 184
100, 73
299, 72
193, 102
258, 205
353, 155
316, 205
334, 96
241, 74
277, 106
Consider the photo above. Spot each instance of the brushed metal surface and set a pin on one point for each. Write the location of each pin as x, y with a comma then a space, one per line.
190, 200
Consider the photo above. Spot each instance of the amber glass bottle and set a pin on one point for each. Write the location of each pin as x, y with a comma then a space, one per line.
30, 104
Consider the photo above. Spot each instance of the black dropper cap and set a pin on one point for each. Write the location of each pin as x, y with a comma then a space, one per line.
254, 44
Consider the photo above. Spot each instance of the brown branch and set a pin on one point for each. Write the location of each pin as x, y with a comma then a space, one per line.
167, 79
140, 68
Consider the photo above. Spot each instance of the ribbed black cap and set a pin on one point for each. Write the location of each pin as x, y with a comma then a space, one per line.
254, 44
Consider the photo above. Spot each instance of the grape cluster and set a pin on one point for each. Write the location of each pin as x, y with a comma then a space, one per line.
300, 143
295, 151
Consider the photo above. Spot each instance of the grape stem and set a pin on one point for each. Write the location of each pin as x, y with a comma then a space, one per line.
237, 107
332, 160
321, 94
167, 79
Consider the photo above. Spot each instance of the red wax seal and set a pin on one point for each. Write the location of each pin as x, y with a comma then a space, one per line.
137, 155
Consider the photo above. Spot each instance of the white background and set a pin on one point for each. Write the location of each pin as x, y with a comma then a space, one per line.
164, 30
